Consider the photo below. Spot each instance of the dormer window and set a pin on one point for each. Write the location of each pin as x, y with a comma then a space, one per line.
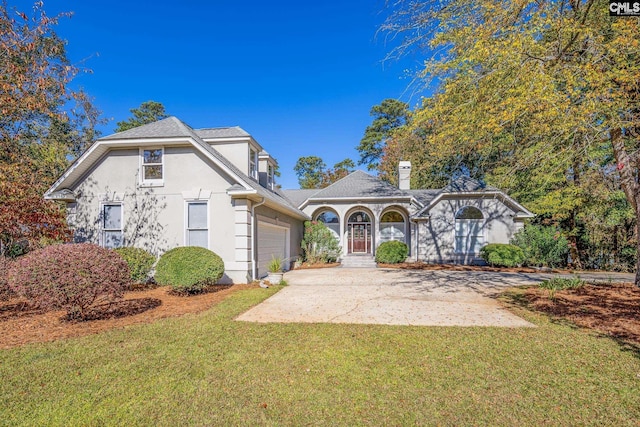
152, 167
253, 163
270, 177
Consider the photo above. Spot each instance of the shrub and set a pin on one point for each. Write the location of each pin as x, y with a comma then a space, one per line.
502, 255
392, 252
5, 290
189, 269
275, 265
319, 244
71, 277
560, 283
542, 246
139, 261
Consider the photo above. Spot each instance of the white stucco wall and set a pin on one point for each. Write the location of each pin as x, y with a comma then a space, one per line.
155, 217
435, 238
345, 208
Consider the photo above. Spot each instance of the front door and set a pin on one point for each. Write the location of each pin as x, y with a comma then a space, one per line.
359, 233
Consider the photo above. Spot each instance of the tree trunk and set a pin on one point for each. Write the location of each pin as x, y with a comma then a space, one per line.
627, 167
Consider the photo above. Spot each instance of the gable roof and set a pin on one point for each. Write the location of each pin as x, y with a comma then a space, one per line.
469, 187
173, 130
357, 185
225, 132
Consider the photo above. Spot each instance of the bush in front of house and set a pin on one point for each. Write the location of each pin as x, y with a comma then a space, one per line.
319, 244
189, 269
502, 255
70, 277
139, 262
543, 246
392, 252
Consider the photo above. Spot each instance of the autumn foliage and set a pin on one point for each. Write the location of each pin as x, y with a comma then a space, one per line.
71, 277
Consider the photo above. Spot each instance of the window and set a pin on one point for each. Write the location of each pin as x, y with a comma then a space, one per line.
270, 179
152, 166
253, 163
332, 222
112, 225
392, 227
469, 230
197, 229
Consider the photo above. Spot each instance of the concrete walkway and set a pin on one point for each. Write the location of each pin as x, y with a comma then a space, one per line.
393, 297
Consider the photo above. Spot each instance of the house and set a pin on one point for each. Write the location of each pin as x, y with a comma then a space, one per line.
165, 184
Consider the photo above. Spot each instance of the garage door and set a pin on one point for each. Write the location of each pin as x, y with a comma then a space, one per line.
272, 242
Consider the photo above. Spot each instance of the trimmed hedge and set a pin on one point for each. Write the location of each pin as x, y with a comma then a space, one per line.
139, 261
392, 252
189, 269
502, 255
71, 277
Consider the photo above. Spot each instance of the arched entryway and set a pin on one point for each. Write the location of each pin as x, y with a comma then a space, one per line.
359, 236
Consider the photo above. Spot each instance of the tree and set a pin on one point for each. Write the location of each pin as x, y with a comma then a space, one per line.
390, 115
43, 125
312, 171
541, 92
147, 112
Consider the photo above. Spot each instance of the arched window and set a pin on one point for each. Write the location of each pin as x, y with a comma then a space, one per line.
469, 230
392, 227
331, 220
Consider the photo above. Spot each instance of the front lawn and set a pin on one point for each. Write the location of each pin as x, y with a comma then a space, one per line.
207, 369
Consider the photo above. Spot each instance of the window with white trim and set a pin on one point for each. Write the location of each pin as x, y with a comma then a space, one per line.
392, 227
197, 224
253, 163
112, 236
270, 177
152, 166
469, 230
331, 220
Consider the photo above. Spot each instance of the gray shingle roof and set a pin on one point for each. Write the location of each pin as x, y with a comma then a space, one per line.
360, 184
165, 128
225, 132
424, 196
298, 197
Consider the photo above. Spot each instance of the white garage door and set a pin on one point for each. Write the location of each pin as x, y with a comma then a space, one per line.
272, 242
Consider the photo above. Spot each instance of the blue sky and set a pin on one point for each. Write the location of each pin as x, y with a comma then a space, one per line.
301, 77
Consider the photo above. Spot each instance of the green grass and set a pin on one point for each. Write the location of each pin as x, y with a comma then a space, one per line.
207, 369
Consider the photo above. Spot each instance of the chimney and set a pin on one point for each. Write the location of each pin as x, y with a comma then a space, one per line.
404, 175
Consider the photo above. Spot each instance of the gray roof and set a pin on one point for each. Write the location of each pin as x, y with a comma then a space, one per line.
424, 196
165, 128
226, 132
360, 184
298, 197
464, 184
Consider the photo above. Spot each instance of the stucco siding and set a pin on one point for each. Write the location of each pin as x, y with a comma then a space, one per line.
236, 152
154, 218
436, 237
375, 210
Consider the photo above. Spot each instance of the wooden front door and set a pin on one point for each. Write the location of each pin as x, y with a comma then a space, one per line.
360, 238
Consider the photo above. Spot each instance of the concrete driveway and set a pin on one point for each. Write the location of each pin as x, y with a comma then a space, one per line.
392, 297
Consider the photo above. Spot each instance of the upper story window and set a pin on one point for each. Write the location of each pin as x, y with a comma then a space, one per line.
152, 168
270, 177
253, 163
